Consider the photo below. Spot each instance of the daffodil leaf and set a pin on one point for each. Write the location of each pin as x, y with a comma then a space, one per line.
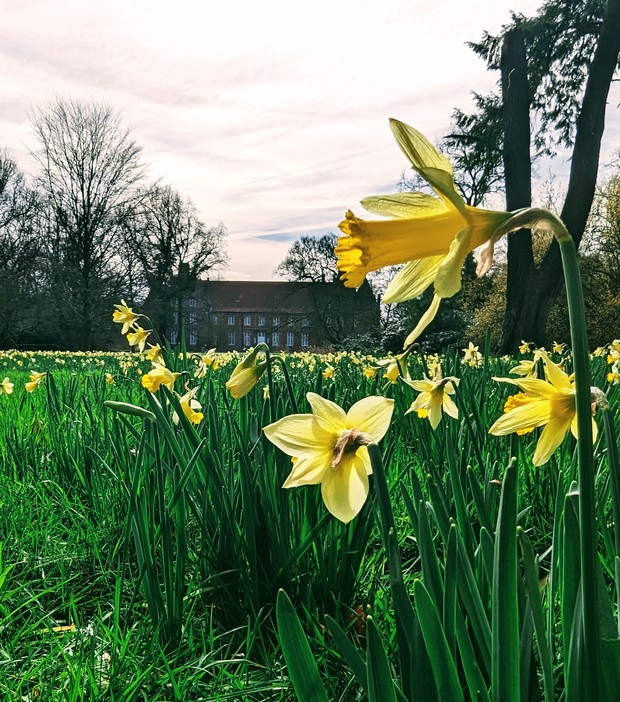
425, 320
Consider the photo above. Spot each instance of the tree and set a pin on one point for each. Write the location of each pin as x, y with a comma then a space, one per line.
20, 249
566, 57
173, 249
89, 169
311, 259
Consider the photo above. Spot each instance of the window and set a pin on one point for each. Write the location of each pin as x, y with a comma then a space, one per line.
290, 339
193, 338
193, 317
173, 336
291, 321
247, 320
192, 303
246, 339
261, 320
214, 319
276, 321
305, 322
261, 337
275, 339
214, 339
231, 338
305, 340
231, 320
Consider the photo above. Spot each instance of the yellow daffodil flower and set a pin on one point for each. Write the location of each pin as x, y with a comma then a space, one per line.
124, 315
558, 348
35, 381
109, 378
206, 361
154, 354
434, 398
328, 373
246, 374
599, 351
6, 387
138, 337
369, 372
613, 378
549, 403
525, 347
329, 447
472, 356
158, 376
190, 406
430, 235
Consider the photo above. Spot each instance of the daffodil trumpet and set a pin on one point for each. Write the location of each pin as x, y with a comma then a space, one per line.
431, 235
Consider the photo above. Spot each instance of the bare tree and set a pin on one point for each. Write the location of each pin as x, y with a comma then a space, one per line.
20, 249
174, 249
89, 168
311, 259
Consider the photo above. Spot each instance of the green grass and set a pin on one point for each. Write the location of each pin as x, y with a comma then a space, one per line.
161, 547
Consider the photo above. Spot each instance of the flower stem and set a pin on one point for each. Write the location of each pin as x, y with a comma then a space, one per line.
587, 506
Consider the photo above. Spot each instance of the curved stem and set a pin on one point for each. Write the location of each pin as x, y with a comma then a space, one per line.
587, 506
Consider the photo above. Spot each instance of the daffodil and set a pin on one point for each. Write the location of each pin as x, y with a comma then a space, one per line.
6, 387
124, 315
190, 406
472, 356
205, 362
328, 373
549, 403
109, 378
434, 398
246, 374
329, 447
430, 235
35, 380
158, 376
525, 347
154, 354
138, 337
369, 372
558, 348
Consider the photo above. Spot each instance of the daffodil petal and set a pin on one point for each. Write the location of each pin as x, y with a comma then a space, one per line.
449, 407
425, 320
345, 489
533, 413
448, 278
328, 414
372, 415
555, 375
412, 280
532, 386
299, 435
309, 471
434, 409
575, 431
550, 438
418, 149
403, 205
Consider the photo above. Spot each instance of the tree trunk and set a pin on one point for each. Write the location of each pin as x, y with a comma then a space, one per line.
517, 169
527, 310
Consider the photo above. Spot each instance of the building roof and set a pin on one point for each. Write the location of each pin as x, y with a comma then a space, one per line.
284, 297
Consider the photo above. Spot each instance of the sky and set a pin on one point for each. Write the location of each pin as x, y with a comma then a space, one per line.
271, 115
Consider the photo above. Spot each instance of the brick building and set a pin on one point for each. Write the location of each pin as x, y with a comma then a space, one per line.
234, 315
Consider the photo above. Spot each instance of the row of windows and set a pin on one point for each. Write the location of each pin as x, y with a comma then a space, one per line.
261, 337
261, 320
247, 339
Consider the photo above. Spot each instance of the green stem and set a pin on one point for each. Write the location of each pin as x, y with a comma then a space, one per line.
289, 385
383, 494
587, 506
